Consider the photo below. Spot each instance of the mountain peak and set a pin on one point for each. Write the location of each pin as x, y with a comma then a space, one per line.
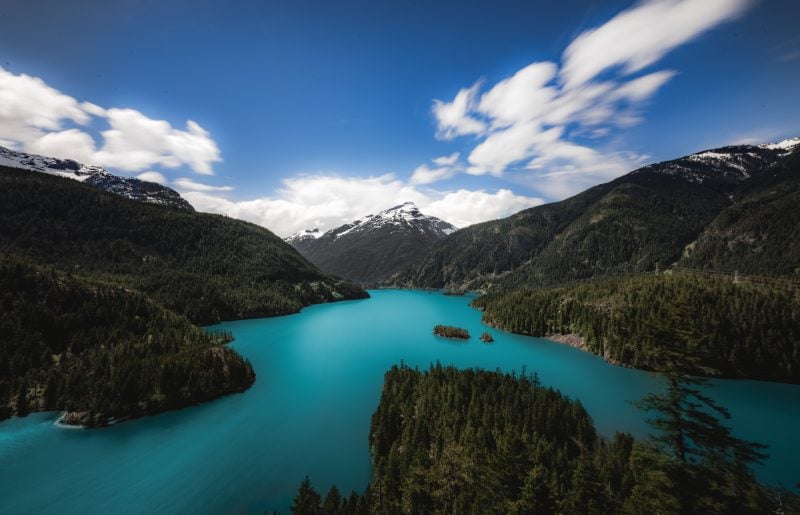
405, 206
787, 144
96, 176
373, 247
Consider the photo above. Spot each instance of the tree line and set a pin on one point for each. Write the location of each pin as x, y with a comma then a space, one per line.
102, 352
736, 329
471, 441
206, 267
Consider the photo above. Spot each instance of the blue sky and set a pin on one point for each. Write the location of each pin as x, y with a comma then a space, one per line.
314, 113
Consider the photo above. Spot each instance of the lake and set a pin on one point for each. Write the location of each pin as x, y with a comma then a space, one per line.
319, 376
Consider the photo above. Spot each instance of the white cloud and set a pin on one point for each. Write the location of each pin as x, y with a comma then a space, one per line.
447, 160
522, 97
68, 144
184, 184
451, 117
533, 119
135, 142
564, 169
463, 207
151, 176
33, 117
446, 167
328, 201
643, 34
516, 143
644, 87
29, 108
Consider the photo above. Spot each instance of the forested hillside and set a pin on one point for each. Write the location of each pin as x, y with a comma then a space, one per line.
730, 208
102, 352
737, 329
206, 267
470, 441
760, 232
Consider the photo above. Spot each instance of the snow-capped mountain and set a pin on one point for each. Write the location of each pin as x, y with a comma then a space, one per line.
732, 164
302, 239
374, 247
128, 187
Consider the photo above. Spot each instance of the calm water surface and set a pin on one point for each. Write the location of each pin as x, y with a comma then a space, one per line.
319, 379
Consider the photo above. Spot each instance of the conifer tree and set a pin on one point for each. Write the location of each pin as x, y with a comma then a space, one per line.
307, 501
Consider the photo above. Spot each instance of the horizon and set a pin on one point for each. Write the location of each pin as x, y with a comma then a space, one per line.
471, 117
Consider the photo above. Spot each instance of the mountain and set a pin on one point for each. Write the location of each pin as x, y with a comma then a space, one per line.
303, 239
690, 210
372, 248
134, 189
205, 267
100, 294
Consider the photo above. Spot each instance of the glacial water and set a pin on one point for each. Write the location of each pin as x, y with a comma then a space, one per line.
319, 380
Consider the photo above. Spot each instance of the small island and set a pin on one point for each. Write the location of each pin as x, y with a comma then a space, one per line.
449, 331
486, 337
454, 292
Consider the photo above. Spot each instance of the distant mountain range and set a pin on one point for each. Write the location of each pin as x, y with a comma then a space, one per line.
731, 208
128, 187
372, 248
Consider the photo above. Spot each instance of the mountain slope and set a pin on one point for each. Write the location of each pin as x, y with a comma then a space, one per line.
374, 247
96, 176
206, 267
631, 224
760, 232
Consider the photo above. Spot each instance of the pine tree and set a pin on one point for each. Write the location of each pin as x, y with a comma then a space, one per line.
333, 502
708, 459
307, 501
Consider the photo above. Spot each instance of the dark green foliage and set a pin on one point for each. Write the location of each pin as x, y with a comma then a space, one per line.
206, 267
700, 213
473, 441
333, 501
703, 467
760, 233
738, 329
101, 351
448, 441
479, 254
307, 501
448, 331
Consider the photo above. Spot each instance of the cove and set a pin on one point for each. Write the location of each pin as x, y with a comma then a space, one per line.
308, 413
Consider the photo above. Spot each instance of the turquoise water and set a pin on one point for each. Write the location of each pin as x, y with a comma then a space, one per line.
319, 380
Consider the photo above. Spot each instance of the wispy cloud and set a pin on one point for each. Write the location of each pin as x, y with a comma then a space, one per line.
444, 168
184, 184
38, 118
535, 119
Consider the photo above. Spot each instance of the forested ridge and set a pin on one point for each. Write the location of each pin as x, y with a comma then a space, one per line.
102, 352
736, 329
100, 295
206, 267
727, 210
730, 213
471, 441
